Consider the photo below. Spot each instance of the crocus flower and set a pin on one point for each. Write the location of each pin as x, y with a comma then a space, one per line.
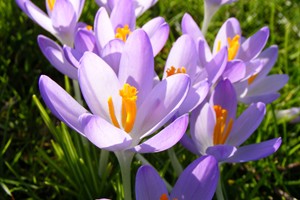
61, 18
260, 86
216, 131
110, 30
140, 6
291, 114
183, 59
198, 181
125, 108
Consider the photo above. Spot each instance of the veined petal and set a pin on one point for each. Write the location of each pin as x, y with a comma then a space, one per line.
268, 58
39, 17
183, 54
161, 104
104, 30
72, 56
246, 124
202, 126
137, 64
199, 179
54, 53
98, 82
158, 31
104, 134
112, 52
62, 105
253, 45
255, 151
148, 184
189, 144
221, 152
123, 14
78, 6
264, 98
166, 138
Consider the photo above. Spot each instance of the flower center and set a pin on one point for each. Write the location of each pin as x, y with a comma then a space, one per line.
89, 27
172, 70
129, 97
233, 46
221, 130
252, 78
122, 33
51, 4
165, 197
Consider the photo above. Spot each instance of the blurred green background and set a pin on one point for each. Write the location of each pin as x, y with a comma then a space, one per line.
34, 163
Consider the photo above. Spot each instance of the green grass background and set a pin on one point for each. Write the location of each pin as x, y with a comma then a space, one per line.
48, 161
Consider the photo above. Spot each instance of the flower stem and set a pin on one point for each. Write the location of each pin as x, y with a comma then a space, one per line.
219, 192
125, 159
174, 160
208, 14
77, 92
103, 162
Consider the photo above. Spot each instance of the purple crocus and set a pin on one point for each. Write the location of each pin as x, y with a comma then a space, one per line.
110, 30
198, 181
216, 131
61, 18
126, 107
140, 6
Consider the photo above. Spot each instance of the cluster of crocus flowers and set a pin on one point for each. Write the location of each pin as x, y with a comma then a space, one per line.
130, 110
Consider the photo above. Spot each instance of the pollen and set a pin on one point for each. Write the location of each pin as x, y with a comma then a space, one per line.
172, 70
51, 4
122, 33
89, 27
221, 130
164, 197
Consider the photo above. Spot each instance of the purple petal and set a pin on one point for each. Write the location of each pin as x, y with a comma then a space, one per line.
137, 64
229, 29
253, 45
158, 31
246, 124
221, 152
166, 138
268, 58
112, 52
104, 30
205, 54
264, 98
85, 41
142, 6
123, 14
235, 71
268, 84
188, 143
148, 184
98, 82
103, 134
202, 126
54, 53
63, 16
39, 16
225, 96
216, 66
72, 56
194, 97
199, 179
190, 27
161, 104
183, 54
255, 151
62, 105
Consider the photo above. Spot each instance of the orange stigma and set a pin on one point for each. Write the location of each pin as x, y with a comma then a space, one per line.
221, 130
172, 70
122, 33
